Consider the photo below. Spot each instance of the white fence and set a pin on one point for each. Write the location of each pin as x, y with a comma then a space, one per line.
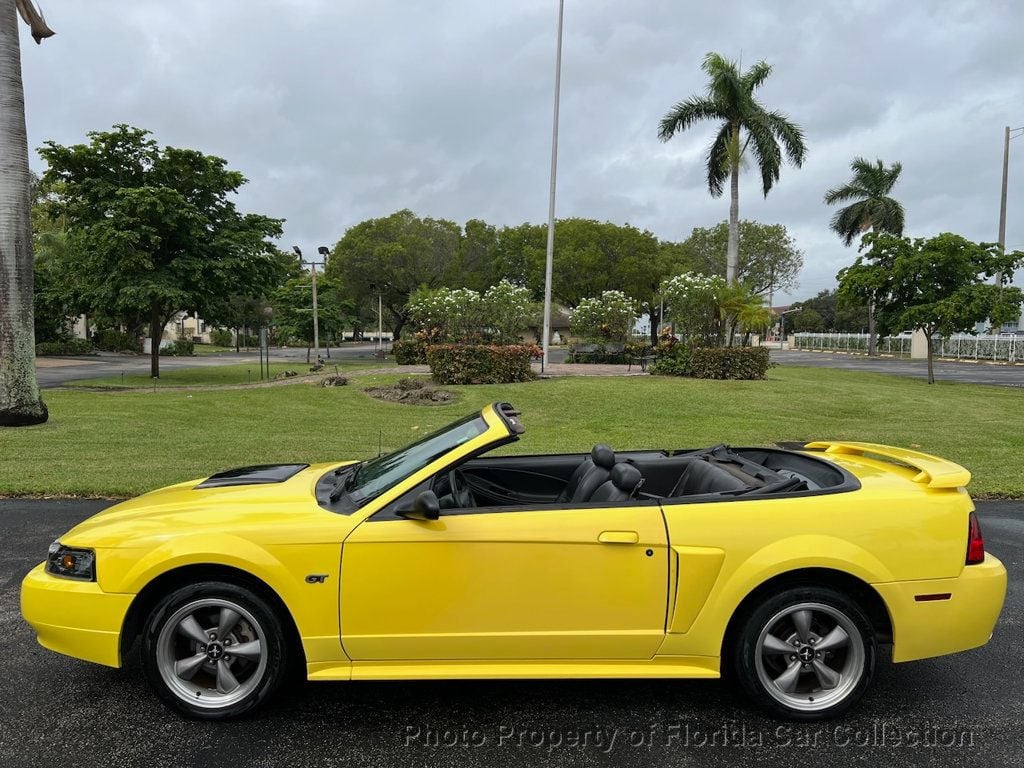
898, 346
1007, 349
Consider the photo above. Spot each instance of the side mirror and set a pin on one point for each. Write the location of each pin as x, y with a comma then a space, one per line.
424, 507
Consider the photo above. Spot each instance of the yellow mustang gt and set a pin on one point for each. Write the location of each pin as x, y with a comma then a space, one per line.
786, 568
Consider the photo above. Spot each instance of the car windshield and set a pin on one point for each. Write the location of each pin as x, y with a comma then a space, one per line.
375, 476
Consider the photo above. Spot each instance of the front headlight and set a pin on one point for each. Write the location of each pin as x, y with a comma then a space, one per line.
71, 563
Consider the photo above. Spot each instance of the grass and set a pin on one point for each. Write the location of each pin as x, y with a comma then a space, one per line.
123, 443
215, 375
211, 349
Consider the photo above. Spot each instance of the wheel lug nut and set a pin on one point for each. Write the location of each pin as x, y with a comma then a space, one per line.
792, 657
807, 666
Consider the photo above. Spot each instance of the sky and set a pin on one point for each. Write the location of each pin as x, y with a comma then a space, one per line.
338, 111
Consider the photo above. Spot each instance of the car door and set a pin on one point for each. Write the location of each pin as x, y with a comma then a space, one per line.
507, 583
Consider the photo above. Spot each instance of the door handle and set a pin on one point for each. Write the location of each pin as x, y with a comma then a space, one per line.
619, 537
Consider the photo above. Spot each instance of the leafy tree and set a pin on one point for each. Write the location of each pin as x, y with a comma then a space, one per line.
768, 256
463, 315
744, 124
870, 209
808, 321
937, 285
394, 256
20, 403
293, 309
835, 315
153, 230
476, 260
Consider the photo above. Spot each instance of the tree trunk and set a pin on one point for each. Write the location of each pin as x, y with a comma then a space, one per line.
872, 333
655, 325
20, 403
238, 340
156, 332
732, 258
931, 371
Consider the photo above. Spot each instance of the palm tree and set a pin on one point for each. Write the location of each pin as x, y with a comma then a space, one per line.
870, 209
20, 402
745, 124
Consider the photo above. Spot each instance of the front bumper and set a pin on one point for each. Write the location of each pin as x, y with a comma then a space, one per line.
934, 627
75, 618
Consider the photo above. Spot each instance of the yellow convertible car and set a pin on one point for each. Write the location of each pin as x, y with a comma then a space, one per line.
784, 567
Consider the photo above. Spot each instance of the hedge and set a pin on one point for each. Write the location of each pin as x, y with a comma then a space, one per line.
65, 347
481, 363
409, 352
713, 362
110, 340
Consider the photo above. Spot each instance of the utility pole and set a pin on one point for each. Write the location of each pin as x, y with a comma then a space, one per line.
551, 196
316, 320
1002, 199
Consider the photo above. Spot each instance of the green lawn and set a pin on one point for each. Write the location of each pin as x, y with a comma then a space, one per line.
211, 349
241, 373
123, 443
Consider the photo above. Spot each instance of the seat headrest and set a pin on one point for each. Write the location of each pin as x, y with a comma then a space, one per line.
626, 477
603, 456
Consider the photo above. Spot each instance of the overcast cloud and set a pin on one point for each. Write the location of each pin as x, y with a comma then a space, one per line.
339, 111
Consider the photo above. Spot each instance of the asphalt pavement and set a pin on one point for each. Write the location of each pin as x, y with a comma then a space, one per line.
999, 374
965, 709
56, 371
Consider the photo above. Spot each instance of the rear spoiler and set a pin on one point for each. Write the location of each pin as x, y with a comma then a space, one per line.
931, 470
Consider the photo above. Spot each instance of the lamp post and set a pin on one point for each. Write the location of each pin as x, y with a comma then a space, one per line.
1008, 133
549, 258
316, 320
379, 347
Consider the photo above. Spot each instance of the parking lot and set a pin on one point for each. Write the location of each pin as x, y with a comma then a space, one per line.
958, 710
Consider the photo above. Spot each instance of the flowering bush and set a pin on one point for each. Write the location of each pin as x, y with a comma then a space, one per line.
410, 351
608, 317
693, 305
445, 315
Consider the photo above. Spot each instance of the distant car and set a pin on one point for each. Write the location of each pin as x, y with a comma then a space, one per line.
787, 567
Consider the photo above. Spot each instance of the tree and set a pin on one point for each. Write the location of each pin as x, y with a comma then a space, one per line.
843, 316
745, 123
768, 256
870, 208
293, 309
153, 230
20, 402
394, 256
608, 317
938, 285
808, 321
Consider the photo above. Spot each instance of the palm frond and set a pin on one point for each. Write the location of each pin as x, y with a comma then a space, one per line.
718, 161
851, 221
686, 113
766, 151
846, 192
754, 77
790, 135
726, 85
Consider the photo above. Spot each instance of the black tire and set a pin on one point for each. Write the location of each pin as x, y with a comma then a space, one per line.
200, 696
765, 674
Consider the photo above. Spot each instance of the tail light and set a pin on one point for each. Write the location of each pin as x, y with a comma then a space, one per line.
975, 541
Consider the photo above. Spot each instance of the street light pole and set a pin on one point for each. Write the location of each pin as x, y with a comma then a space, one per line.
1002, 197
551, 196
316, 319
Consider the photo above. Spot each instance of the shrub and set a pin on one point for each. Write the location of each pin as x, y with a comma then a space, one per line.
410, 351
729, 362
672, 359
462, 315
480, 363
222, 337
181, 347
65, 347
110, 340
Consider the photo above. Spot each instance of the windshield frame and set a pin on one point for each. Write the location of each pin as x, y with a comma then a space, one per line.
400, 465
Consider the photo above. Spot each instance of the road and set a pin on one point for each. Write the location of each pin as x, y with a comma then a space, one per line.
961, 710
56, 371
974, 373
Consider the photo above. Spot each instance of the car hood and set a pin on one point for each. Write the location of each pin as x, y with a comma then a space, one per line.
207, 505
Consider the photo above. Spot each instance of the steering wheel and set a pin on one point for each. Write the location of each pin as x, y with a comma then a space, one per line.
461, 495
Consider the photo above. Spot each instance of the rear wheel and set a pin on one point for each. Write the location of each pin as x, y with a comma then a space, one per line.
214, 650
805, 653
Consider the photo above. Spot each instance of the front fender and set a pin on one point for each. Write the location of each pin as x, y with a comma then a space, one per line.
312, 605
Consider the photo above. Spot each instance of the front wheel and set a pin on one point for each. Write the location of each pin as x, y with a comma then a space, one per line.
214, 650
805, 653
